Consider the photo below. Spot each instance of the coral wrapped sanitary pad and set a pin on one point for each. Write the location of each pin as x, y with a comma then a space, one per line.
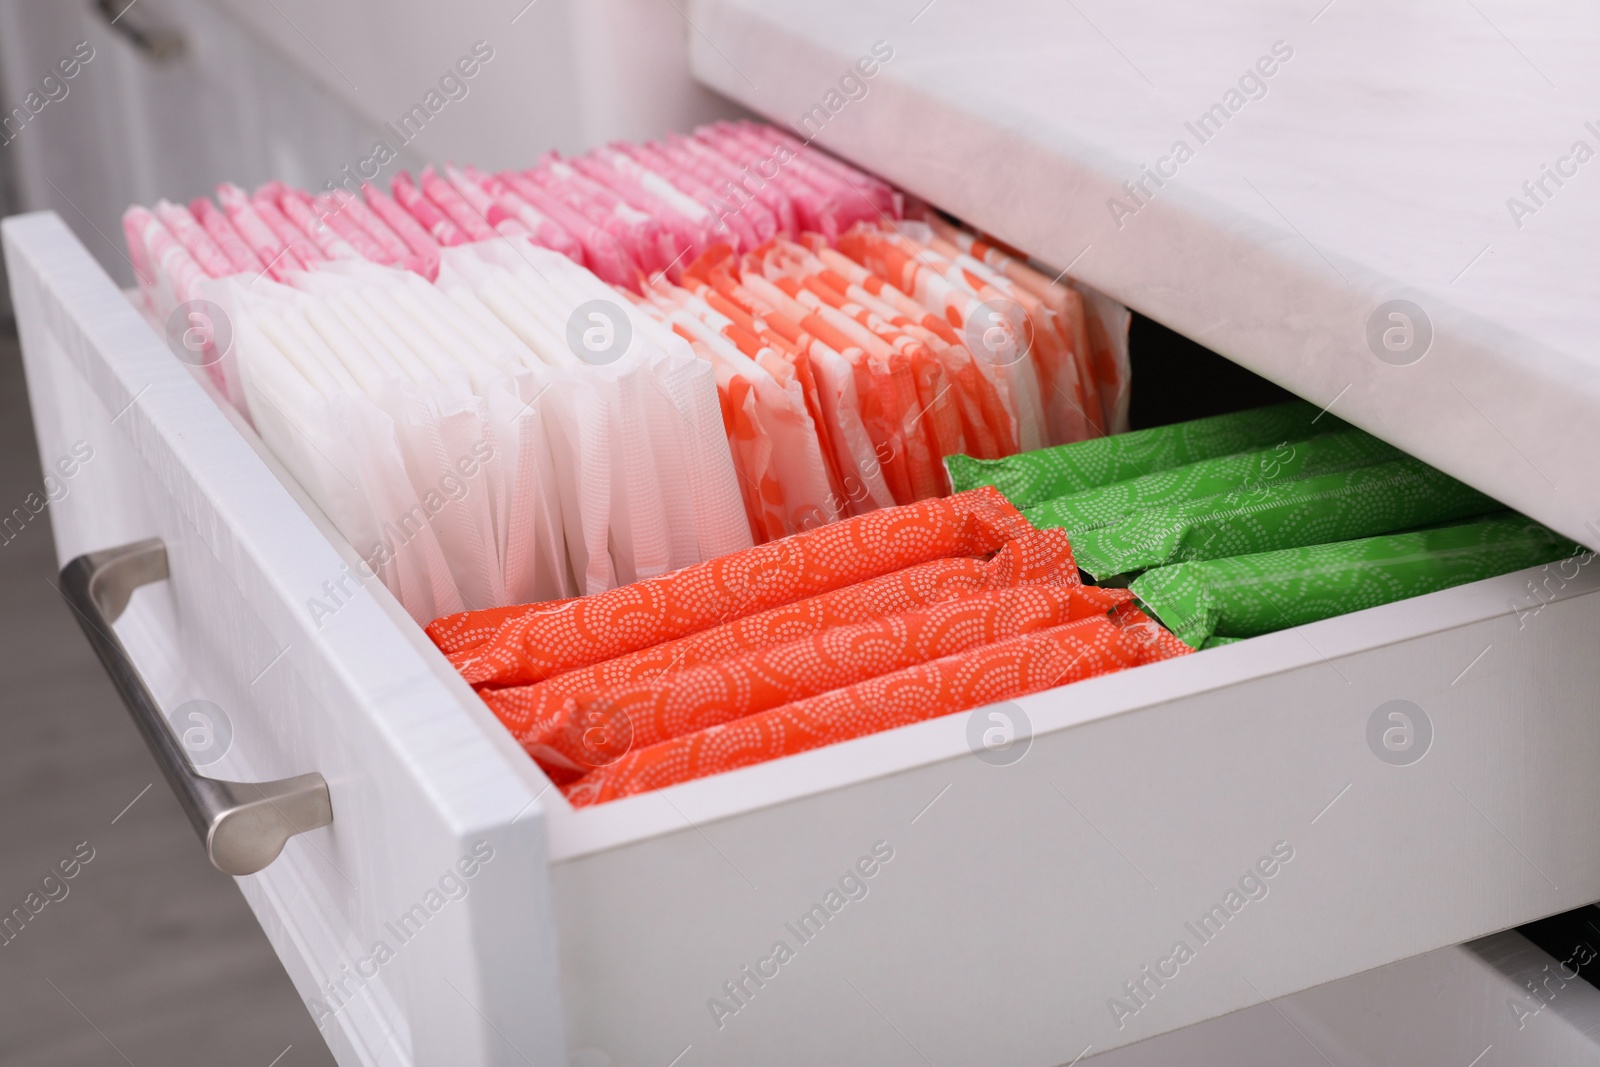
533, 712
1003, 670
544, 641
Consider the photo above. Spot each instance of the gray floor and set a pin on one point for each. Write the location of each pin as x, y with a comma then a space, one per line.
151, 957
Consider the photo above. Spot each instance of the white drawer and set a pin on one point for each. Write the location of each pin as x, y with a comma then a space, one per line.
1018, 900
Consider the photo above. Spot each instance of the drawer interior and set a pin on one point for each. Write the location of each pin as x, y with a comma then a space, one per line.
1175, 380
1179, 379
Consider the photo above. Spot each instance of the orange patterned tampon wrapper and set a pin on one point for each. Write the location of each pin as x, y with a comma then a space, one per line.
1002, 671
544, 641
1039, 558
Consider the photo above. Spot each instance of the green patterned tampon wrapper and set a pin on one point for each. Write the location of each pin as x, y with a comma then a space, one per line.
1289, 461
1213, 602
1032, 477
1364, 502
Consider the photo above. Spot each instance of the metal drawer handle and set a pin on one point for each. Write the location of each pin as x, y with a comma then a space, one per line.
244, 824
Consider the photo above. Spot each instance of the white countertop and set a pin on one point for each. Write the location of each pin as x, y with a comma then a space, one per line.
1377, 166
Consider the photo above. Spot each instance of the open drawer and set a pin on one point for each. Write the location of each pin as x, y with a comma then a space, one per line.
933, 907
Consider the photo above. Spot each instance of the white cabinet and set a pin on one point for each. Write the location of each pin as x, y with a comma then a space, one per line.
1018, 901
133, 127
1018, 914
1498, 1000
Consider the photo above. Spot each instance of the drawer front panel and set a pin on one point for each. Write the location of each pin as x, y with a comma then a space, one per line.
1036, 891
401, 956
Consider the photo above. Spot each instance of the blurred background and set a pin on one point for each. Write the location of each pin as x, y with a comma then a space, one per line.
183, 94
